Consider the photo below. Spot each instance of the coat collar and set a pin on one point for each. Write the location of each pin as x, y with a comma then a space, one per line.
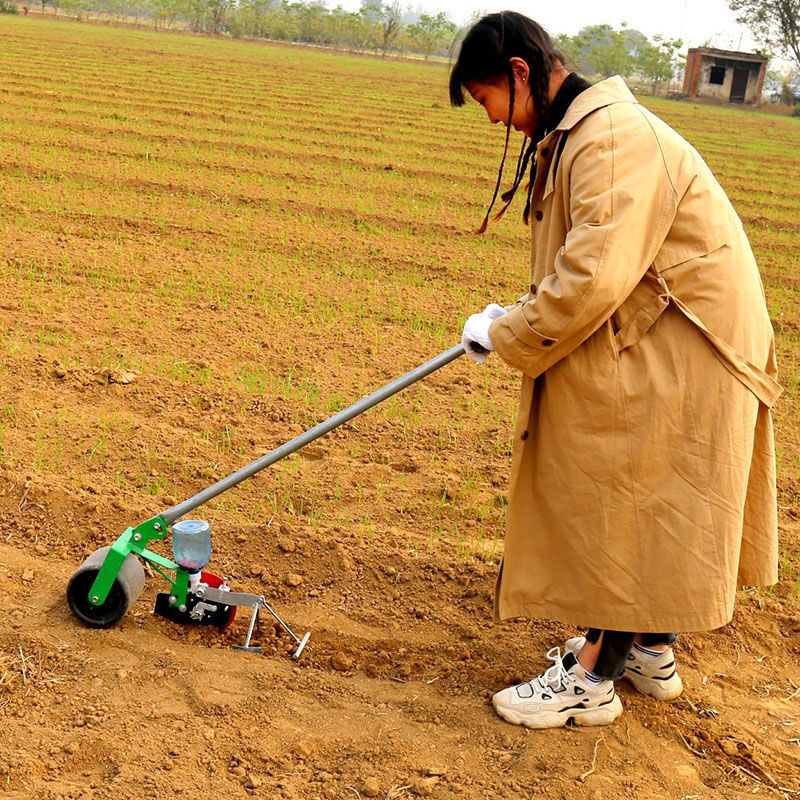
611, 90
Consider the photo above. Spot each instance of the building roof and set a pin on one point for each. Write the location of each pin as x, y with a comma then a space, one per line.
733, 55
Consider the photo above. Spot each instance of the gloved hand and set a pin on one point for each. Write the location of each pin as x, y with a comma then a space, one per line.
476, 330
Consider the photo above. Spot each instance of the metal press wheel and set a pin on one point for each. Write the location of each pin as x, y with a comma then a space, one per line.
126, 588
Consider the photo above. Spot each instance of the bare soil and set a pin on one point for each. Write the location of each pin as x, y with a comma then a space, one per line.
175, 302
391, 698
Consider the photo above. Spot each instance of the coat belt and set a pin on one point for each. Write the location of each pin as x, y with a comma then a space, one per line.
762, 385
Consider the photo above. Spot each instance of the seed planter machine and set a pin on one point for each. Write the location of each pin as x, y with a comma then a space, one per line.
105, 585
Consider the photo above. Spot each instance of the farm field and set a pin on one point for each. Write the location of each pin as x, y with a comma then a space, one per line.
207, 247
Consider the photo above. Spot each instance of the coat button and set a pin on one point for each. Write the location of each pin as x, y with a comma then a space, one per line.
538, 216
533, 288
524, 435
547, 342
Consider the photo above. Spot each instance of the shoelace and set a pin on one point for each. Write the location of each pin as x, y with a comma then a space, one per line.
555, 675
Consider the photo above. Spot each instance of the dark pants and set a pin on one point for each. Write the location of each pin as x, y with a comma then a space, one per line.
616, 646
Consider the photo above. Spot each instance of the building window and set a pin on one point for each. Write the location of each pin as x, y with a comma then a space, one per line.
717, 75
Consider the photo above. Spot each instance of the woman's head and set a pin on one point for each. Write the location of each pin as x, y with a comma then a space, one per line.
508, 51
506, 62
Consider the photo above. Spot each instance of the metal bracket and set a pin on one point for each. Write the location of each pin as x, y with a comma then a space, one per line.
133, 540
200, 609
255, 602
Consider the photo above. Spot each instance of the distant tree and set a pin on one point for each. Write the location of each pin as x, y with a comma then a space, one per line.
254, 16
774, 23
308, 20
392, 24
790, 88
115, 8
217, 11
404, 43
88, 7
429, 33
72, 8
195, 12
772, 82
572, 48
7, 7
274, 22
609, 52
335, 29
357, 31
636, 40
167, 11
658, 61
387, 17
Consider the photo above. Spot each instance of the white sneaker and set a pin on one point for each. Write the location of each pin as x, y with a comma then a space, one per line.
574, 645
557, 695
653, 675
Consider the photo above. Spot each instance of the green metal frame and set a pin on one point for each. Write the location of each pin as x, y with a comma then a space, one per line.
135, 540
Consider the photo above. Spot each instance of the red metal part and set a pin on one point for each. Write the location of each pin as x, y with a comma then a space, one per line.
215, 582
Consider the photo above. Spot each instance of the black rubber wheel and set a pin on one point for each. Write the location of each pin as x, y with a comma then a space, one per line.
126, 588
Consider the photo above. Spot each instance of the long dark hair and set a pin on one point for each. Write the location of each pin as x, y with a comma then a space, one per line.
485, 56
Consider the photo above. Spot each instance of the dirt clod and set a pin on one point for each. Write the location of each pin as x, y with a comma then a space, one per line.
341, 661
434, 772
124, 378
304, 749
370, 787
729, 747
422, 786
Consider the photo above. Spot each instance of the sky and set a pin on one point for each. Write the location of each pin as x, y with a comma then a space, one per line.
696, 22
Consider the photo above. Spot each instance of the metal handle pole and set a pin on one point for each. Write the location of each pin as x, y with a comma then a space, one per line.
176, 512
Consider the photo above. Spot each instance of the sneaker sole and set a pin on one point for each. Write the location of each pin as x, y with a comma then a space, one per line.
667, 692
558, 719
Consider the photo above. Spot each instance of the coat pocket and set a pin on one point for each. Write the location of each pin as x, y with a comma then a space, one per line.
640, 322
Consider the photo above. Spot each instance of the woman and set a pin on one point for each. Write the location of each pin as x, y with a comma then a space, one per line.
643, 478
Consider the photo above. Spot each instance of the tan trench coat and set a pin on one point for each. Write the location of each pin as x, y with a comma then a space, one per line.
643, 477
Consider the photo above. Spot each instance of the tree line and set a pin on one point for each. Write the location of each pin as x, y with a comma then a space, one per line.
384, 26
378, 26
603, 51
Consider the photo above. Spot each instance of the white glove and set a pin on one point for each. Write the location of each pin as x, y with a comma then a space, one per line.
476, 331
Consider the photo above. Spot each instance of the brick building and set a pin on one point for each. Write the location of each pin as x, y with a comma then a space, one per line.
724, 75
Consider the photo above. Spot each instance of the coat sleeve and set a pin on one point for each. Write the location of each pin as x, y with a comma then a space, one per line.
621, 203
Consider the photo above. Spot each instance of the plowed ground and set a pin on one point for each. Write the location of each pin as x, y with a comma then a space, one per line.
207, 247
